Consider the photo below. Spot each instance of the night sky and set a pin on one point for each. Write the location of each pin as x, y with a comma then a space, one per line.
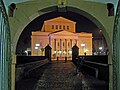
82, 25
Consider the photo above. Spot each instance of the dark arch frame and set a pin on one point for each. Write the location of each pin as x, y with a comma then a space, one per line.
87, 15
81, 12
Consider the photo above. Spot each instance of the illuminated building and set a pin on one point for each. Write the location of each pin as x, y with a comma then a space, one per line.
60, 34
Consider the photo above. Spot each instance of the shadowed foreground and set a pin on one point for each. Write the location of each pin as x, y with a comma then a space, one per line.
53, 76
58, 76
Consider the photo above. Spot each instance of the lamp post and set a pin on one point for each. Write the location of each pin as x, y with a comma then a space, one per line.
100, 48
26, 52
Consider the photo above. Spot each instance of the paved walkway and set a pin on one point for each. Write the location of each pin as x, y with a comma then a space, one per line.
54, 76
59, 76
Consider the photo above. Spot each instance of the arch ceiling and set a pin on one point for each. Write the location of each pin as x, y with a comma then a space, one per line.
115, 2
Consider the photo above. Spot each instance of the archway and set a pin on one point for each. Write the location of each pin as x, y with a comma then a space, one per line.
101, 20
75, 10
48, 14
82, 25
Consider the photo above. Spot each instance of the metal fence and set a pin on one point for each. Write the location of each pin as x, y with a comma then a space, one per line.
5, 50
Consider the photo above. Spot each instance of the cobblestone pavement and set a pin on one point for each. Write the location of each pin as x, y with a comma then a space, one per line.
54, 76
59, 76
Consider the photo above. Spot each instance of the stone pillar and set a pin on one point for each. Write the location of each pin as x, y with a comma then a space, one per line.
77, 42
13, 72
52, 46
72, 42
56, 47
50, 41
66, 47
61, 47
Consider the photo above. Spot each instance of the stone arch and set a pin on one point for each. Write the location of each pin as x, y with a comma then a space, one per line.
94, 20
72, 9
93, 13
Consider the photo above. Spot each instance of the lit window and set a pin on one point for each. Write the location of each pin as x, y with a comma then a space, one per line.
70, 52
37, 44
60, 52
54, 51
82, 45
64, 52
36, 47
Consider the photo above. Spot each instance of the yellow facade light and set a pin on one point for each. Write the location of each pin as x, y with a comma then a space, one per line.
37, 45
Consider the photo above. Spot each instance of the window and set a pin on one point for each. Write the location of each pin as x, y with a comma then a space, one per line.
110, 8
67, 27
52, 26
56, 26
64, 27
60, 27
11, 9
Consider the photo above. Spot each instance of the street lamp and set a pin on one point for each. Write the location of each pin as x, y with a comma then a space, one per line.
26, 52
100, 48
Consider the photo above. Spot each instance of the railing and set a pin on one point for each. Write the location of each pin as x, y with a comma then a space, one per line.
5, 50
24, 70
94, 88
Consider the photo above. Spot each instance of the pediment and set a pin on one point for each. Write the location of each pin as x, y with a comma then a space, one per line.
60, 19
63, 33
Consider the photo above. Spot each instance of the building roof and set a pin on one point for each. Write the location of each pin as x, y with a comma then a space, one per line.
63, 33
60, 19
37, 33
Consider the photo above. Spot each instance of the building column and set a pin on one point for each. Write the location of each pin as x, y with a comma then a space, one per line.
61, 47
66, 47
13, 71
52, 46
77, 42
56, 46
72, 42
50, 41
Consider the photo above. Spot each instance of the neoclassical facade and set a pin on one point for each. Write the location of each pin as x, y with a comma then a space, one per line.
60, 34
